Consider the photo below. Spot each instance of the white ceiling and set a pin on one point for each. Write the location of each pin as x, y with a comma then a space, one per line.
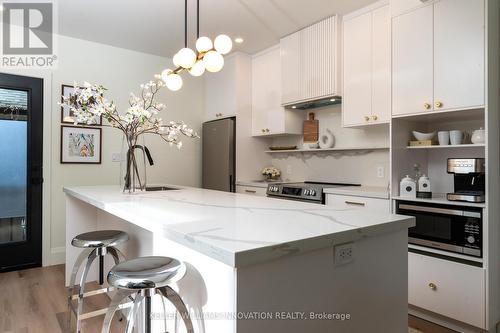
157, 26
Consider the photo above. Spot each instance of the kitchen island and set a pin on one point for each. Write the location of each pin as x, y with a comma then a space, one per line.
259, 264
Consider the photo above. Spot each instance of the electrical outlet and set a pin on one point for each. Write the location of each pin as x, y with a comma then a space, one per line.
116, 157
288, 169
344, 253
380, 171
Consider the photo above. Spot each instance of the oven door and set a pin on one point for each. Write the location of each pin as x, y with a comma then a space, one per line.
450, 228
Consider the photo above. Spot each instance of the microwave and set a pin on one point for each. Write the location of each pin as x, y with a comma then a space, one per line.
451, 228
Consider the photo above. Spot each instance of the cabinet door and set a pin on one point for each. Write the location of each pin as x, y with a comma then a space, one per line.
290, 53
412, 60
399, 7
268, 116
357, 97
381, 65
451, 289
220, 92
459, 32
318, 72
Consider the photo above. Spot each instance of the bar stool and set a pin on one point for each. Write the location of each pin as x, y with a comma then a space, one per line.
95, 244
145, 277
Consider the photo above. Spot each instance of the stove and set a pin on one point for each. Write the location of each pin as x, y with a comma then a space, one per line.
308, 191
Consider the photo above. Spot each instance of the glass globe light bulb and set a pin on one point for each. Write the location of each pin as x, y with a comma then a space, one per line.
176, 60
223, 44
214, 61
164, 74
173, 81
198, 68
204, 44
187, 57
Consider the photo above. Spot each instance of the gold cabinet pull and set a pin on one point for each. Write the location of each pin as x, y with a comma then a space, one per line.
367, 118
374, 117
439, 104
432, 286
250, 191
354, 203
267, 130
427, 106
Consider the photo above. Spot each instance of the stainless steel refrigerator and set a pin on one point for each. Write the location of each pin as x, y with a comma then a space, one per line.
219, 150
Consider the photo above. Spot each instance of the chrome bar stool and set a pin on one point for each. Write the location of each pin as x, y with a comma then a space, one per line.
141, 279
95, 245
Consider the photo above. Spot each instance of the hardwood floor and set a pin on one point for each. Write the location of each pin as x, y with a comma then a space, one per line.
34, 301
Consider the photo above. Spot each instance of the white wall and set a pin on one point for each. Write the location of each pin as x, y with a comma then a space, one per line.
357, 167
121, 71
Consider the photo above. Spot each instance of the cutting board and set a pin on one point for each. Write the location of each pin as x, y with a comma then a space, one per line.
311, 129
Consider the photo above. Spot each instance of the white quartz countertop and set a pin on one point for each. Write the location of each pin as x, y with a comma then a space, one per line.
239, 229
360, 191
255, 183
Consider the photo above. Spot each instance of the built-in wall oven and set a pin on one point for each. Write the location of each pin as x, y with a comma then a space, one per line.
457, 229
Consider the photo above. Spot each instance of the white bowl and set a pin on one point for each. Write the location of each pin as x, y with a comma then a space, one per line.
423, 136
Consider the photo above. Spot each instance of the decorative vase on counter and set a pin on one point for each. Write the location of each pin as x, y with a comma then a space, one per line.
133, 164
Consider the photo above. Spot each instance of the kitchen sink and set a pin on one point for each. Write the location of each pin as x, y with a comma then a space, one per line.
160, 188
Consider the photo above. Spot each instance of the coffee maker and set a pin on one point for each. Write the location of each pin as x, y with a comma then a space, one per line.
469, 179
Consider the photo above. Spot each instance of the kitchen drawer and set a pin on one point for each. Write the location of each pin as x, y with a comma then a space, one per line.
369, 204
260, 191
448, 288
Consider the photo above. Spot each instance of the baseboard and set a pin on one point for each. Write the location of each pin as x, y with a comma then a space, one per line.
57, 256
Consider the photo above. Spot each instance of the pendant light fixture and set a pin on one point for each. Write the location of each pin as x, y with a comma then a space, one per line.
208, 55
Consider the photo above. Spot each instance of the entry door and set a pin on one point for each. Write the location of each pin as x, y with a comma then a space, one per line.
21, 140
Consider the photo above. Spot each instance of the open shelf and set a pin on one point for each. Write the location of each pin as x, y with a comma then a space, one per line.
447, 146
324, 150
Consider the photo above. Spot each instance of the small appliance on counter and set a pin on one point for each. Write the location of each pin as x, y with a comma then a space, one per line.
469, 179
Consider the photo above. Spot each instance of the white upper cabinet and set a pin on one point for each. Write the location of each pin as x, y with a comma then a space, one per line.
227, 91
459, 30
399, 7
290, 64
268, 116
412, 62
438, 57
309, 63
367, 68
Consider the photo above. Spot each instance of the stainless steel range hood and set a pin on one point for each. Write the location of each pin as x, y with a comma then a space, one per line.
317, 103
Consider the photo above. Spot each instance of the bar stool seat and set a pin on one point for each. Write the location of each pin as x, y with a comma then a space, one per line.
142, 278
101, 238
146, 273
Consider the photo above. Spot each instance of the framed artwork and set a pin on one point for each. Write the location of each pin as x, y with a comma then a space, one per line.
66, 114
81, 145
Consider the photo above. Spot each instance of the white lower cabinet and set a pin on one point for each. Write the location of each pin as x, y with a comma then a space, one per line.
252, 190
368, 204
448, 288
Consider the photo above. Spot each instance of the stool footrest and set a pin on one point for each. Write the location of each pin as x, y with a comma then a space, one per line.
93, 292
96, 313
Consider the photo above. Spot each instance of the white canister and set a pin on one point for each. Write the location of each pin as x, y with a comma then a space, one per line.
424, 184
478, 136
408, 187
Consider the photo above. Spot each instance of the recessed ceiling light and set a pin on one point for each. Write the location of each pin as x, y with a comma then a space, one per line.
238, 40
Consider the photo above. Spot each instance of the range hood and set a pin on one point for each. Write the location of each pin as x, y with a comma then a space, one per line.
318, 103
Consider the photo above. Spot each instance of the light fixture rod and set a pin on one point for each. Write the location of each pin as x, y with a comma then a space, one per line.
185, 23
197, 19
